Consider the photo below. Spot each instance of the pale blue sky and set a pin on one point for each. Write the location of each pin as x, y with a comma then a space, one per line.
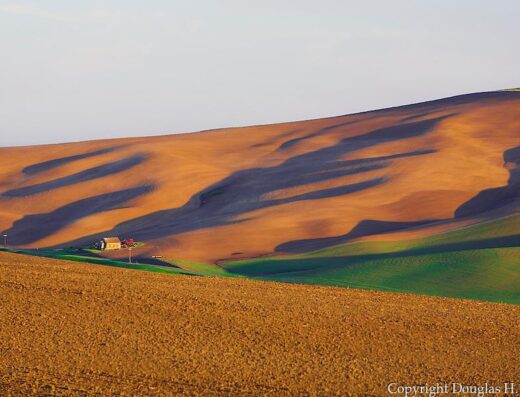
75, 70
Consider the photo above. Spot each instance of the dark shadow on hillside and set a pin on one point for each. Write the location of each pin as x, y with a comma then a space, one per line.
416, 116
437, 105
490, 199
487, 200
227, 201
83, 176
32, 228
364, 228
274, 140
48, 165
288, 144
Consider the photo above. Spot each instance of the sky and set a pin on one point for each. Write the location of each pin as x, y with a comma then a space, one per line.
74, 70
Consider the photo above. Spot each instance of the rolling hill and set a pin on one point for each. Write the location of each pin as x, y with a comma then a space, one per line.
419, 198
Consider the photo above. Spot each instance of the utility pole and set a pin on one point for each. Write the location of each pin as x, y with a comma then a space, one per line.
5, 239
129, 254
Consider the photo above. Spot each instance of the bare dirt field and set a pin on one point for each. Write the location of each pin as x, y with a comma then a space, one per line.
76, 329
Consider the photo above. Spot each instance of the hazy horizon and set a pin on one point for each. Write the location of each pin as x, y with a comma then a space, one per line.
95, 70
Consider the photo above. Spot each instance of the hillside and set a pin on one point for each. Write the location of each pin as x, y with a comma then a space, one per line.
478, 262
422, 198
77, 329
284, 188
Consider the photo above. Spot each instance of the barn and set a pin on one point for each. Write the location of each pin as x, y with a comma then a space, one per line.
109, 243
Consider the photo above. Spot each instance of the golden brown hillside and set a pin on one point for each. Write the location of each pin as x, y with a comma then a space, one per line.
75, 329
273, 188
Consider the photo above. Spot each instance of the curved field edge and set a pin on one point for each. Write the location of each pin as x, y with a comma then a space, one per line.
480, 262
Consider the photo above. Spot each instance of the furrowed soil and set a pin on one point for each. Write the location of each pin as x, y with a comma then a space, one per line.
77, 329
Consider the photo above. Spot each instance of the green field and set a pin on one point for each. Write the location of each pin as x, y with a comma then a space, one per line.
84, 256
479, 262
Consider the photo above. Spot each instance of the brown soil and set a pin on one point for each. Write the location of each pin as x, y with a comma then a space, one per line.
78, 329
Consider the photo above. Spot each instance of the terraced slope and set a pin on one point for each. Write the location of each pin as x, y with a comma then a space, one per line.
285, 189
74, 329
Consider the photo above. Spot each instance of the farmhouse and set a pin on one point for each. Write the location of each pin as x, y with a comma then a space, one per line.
109, 243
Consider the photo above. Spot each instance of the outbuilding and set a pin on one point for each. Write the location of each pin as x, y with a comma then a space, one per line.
110, 243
